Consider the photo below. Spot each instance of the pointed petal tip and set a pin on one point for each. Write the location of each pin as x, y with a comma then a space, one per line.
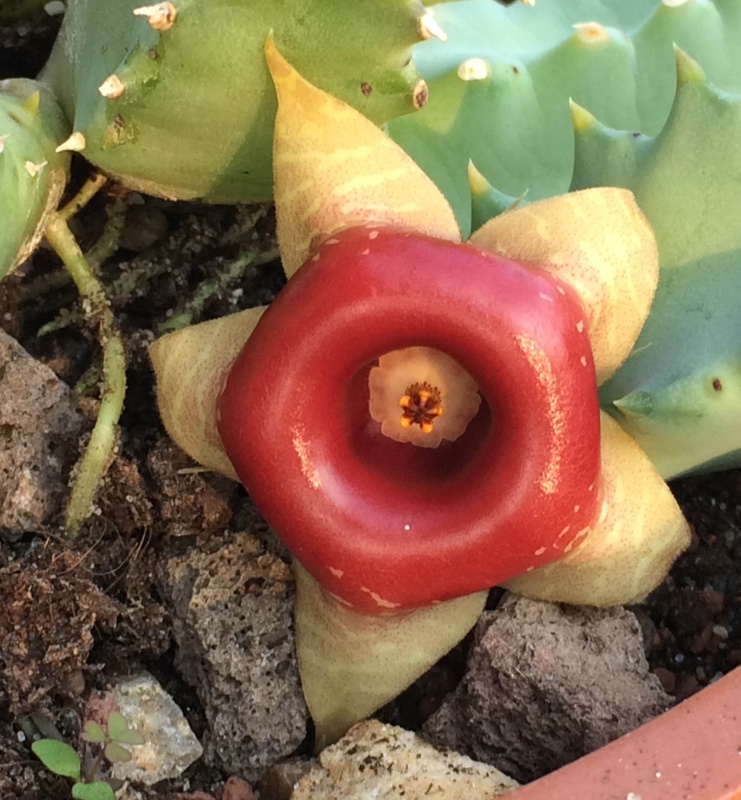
638, 534
335, 162
279, 68
351, 664
191, 366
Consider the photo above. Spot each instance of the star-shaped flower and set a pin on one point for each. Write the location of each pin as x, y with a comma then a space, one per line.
391, 334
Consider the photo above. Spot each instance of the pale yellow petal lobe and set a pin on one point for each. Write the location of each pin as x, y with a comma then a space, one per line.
599, 241
629, 548
191, 366
335, 169
352, 664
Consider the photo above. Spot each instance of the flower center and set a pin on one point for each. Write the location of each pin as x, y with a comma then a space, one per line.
422, 403
423, 382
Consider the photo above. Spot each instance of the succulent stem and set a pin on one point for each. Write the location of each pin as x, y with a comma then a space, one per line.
103, 437
81, 199
108, 241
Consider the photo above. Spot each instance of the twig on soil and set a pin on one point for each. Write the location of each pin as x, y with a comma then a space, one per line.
99, 451
218, 284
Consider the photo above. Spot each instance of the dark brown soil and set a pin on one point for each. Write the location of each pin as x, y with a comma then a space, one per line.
75, 613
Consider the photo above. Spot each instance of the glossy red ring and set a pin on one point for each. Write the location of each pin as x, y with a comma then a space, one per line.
384, 525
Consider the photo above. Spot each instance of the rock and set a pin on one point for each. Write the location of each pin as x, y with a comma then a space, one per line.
128, 792
546, 684
232, 607
386, 763
279, 779
170, 746
237, 789
39, 426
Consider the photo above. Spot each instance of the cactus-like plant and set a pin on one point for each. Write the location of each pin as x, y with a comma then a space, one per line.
33, 173
174, 98
500, 85
679, 394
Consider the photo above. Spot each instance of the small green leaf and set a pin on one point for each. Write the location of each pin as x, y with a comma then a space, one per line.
97, 790
57, 756
119, 730
93, 732
116, 754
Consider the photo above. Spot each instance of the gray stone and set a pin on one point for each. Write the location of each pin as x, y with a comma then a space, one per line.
546, 684
170, 746
232, 619
387, 763
39, 426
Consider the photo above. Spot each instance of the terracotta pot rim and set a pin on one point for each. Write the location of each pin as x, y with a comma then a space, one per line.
692, 751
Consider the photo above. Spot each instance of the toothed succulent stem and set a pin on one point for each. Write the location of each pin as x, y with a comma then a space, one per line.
148, 84
499, 92
678, 393
33, 170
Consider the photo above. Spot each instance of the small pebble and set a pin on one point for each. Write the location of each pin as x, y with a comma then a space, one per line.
720, 631
170, 746
237, 789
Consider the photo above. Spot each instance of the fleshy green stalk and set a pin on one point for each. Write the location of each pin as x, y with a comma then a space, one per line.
100, 449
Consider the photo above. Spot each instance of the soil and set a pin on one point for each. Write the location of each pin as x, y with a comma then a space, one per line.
78, 612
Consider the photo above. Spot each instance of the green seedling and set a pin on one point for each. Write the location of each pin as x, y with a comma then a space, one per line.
62, 759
